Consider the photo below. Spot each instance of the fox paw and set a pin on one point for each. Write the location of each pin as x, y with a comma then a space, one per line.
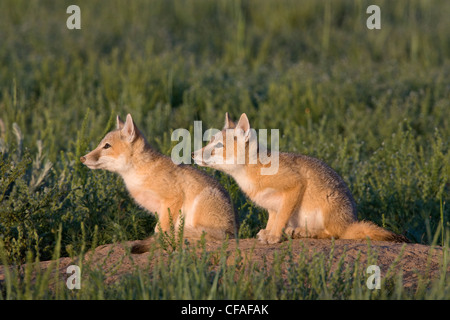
267, 238
262, 235
271, 239
289, 232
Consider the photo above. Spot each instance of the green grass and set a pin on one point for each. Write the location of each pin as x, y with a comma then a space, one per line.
373, 104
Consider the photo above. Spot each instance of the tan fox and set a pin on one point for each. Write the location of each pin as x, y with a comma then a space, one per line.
304, 198
157, 184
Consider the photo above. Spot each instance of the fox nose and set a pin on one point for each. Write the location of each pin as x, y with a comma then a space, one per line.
82, 159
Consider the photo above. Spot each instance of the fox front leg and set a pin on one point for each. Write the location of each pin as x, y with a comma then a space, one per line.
290, 204
264, 233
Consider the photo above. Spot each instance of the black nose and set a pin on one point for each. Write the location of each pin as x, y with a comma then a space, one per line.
82, 159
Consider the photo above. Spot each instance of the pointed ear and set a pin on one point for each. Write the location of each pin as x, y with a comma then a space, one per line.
244, 125
120, 123
229, 124
129, 130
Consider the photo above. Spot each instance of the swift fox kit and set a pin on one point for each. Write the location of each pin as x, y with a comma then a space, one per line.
304, 198
157, 184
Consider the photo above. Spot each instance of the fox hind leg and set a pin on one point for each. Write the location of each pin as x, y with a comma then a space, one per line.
301, 232
213, 214
291, 202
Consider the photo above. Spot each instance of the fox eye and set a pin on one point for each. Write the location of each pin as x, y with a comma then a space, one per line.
219, 145
106, 146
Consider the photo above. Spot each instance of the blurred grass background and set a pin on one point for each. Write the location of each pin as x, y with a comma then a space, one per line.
373, 104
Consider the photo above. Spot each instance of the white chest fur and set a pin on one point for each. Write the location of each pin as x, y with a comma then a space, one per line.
142, 195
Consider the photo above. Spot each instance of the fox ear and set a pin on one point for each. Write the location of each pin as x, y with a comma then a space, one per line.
120, 123
128, 130
244, 125
229, 124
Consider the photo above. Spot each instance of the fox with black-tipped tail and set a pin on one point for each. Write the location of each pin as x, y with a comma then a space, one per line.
304, 197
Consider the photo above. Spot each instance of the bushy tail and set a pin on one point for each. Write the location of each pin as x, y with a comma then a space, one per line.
366, 229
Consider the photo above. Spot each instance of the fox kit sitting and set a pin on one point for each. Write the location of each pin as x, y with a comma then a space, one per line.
304, 198
157, 184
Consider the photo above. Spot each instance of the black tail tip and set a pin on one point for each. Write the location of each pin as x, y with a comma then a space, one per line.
400, 238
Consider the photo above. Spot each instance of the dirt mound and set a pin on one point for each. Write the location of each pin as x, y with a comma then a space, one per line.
413, 259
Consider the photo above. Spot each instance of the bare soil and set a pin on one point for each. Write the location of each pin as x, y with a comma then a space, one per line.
415, 260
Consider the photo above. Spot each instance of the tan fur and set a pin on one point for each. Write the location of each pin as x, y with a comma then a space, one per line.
159, 185
305, 198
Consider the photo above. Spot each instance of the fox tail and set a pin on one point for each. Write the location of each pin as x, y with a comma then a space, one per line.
366, 229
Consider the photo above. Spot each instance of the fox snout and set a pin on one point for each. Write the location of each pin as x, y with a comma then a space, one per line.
91, 160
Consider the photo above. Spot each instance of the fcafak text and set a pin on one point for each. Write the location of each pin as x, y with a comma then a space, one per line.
230, 309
